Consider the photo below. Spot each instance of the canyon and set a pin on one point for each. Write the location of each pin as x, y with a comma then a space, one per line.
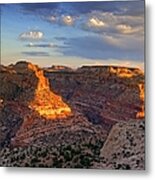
63, 117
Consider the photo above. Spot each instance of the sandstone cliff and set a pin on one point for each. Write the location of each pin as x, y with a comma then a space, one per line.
26, 83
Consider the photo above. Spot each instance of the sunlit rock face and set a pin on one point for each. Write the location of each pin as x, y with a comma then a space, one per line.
118, 71
26, 83
141, 114
45, 102
125, 72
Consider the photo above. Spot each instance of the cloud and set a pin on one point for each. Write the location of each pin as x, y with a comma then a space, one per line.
73, 9
104, 47
38, 7
113, 40
103, 22
95, 22
116, 28
123, 17
67, 20
118, 7
35, 53
52, 19
31, 35
60, 38
127, 29
108, 22
45, 45
125, 42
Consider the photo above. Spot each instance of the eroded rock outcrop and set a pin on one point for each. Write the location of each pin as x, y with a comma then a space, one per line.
125, 146
45, 102
141, 113
26, 82
104, 94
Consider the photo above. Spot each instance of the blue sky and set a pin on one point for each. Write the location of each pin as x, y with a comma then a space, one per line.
73, 34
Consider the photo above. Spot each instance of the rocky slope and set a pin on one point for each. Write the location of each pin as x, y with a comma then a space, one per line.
122, 149
70, 118
25, 96
125, 146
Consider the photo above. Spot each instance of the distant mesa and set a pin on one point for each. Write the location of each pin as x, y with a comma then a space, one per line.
119, 71
58, 68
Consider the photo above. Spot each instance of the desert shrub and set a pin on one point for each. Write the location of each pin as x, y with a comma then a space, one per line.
34, 161
43, 154
68, 155
57, 163
85, 161
123, 166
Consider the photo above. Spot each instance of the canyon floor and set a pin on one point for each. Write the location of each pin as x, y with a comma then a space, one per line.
91, 117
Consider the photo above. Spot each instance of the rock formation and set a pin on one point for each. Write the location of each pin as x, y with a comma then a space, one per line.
104, 94
25, 82
92, 117
58, 68
45, 102
125, 146
141, 113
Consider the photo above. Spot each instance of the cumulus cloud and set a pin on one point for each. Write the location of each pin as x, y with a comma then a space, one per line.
67, 20
31, 35
43, 45
114, 17
35, 53
109, 22
52, 19
95, 22
103, 13
116, 28
127, 29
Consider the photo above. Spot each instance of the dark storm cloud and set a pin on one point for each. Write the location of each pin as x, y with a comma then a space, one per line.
35, 53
